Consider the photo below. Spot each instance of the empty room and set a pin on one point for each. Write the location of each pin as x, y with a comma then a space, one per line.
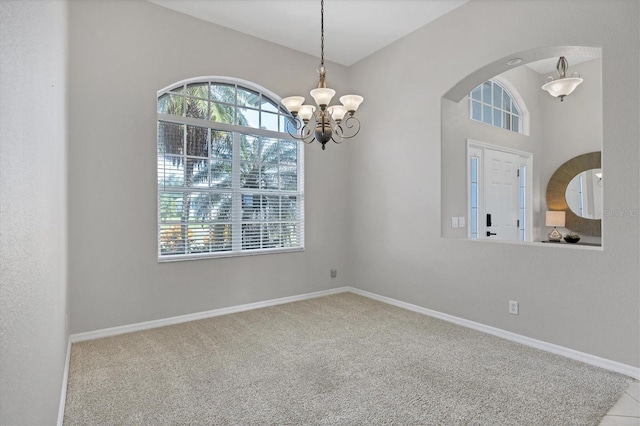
413, 212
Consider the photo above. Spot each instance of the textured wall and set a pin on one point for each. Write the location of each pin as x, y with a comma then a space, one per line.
121, 54
33, 225
585, 300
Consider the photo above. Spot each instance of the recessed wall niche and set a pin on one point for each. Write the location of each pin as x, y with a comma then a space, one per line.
553, 131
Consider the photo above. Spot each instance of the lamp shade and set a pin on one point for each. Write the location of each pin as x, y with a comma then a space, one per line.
337, 112
351, 102
554, 218
322, 95
562, 87
293, 103
306, 111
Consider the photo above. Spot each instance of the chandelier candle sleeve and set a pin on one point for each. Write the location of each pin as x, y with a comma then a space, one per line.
325, 122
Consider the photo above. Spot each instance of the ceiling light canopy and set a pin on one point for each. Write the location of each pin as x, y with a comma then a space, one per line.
325, 122
563, 85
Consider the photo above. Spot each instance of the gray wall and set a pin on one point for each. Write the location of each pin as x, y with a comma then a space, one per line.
582, 299
121, 54
33, 213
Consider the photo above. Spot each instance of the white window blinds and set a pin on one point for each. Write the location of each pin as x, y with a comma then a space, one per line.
230, 181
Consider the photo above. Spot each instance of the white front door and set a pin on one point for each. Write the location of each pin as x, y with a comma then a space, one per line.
499, 192
502, 190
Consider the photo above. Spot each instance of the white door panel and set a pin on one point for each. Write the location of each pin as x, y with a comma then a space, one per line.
502, 190
499, 190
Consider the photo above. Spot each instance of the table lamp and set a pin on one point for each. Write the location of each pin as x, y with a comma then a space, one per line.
555, 219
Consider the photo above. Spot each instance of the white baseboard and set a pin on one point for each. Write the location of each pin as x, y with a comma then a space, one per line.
538, 344
594, 360
114, 331
65, 378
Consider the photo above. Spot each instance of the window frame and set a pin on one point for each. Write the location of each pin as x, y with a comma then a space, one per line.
237, 191
494, 108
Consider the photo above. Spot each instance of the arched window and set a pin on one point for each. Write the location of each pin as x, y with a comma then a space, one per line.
492, 103
230, 178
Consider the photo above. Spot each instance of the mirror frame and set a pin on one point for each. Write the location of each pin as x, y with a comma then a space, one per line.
557, 187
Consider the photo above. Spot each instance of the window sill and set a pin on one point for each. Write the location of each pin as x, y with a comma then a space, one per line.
221, 255
563, 245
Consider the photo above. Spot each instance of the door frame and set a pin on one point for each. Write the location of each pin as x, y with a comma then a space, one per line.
477, 149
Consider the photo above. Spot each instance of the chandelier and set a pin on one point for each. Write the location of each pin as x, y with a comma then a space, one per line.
323, 123
562, 86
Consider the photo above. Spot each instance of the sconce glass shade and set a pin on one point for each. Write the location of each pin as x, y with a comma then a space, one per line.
555, 218
293, 103
562, 87
306, 112
351, 102
322, 95
337, 112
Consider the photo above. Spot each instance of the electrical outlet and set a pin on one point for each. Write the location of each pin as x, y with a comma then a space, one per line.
462, 222
513, 307
454, 221
334, 273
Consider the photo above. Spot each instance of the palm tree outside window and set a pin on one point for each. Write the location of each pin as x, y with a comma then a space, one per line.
230, 178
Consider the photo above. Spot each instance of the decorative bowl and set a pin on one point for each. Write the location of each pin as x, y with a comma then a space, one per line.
572, 238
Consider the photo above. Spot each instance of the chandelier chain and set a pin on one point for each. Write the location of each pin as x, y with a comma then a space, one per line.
322, 33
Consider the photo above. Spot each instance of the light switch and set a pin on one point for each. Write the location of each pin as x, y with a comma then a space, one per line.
454, 221
462, 222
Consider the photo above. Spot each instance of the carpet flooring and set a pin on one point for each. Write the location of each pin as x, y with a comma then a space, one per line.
336, 360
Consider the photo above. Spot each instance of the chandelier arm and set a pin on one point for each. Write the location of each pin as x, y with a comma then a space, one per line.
302, 131
309, 142
350, 122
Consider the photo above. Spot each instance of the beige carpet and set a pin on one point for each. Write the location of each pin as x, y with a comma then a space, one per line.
342, 359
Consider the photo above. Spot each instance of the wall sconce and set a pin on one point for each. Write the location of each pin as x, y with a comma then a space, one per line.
599, 177
555, 219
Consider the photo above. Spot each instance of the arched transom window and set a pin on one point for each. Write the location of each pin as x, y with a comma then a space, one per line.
230, 178
491, 103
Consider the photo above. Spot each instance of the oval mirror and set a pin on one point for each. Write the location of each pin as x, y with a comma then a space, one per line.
557, 192
584, 194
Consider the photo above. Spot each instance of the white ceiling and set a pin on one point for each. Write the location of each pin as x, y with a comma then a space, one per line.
354, 29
